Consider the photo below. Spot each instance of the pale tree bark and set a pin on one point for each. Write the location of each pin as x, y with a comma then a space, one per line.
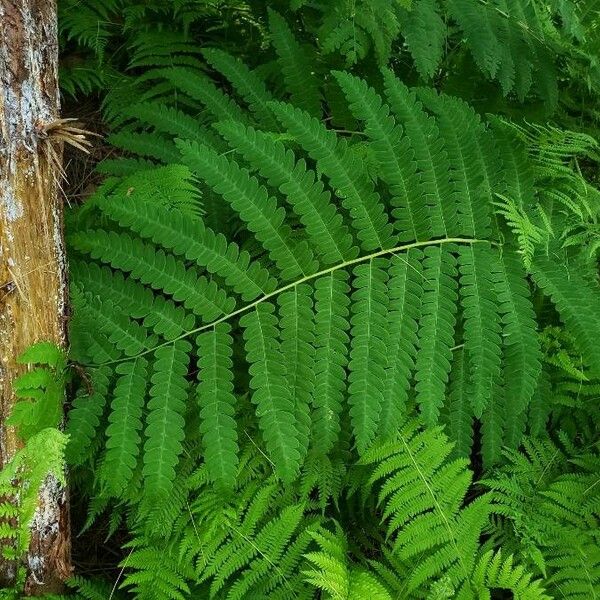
32, 260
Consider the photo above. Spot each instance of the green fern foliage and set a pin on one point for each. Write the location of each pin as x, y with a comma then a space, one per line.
296, 66
422, 494
36, 417
436, 330
552, 514
347, 177
336, 331
165, 420
217, 404
434, 294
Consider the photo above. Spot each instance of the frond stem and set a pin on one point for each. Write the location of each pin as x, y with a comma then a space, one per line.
289, 286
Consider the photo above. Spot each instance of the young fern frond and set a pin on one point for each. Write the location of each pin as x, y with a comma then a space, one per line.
39, 461
422, 494
495, 572
331, 573
551, 515
155, 574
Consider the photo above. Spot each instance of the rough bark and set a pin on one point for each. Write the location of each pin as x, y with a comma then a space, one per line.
32, 264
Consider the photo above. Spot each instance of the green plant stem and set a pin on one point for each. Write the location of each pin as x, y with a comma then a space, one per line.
344, 265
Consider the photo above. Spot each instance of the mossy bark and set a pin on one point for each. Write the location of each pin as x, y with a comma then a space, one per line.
32, 260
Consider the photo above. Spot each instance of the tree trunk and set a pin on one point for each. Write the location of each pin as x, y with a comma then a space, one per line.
32, 260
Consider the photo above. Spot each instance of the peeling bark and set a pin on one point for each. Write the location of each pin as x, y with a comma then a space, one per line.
32, 261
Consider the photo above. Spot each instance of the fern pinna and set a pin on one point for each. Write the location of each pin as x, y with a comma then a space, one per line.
244, 364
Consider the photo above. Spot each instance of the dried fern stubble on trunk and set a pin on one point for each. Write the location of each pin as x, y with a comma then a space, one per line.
32, 261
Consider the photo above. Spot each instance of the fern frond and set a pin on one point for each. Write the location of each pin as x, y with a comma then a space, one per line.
271, 550
147, 145
425, 33
329, 570
528, 233
298, 71
297, 340
165, 422
332, 573
158, 269
477, 265
436, 331
217, 404
156, 574
85, 414
461, 128
457, 415
521, 345
510, 46
404, 312
331, 341
423, 494
159, 314
252, 202
92, 589
493, 425
493, 571
369, 350
575, 299
575, 570
125, 421
392, 150
300, 186
166, 119
200, 88
127, 335
551, 515
429, 154
190, 237
272, 396
346, 173
246, 83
